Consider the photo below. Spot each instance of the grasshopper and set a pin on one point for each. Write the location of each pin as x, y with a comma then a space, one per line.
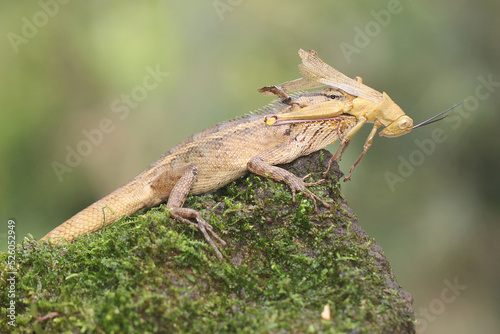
366, 104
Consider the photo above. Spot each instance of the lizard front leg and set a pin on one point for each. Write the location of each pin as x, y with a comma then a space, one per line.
176, 200
258, 165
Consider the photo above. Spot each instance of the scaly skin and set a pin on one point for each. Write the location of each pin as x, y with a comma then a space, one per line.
279, 134
211, 159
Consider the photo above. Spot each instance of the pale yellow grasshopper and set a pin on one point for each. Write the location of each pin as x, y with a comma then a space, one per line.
365, 103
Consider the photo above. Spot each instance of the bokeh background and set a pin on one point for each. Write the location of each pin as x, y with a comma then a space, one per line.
67, 67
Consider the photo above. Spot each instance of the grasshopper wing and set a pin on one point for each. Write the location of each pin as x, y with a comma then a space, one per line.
314, 69
317, 73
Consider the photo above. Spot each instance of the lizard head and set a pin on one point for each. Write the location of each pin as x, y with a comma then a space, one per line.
318, 105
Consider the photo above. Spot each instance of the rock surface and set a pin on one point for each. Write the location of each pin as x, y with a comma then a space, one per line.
283, 264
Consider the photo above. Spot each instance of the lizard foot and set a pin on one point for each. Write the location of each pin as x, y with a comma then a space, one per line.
298, 184
182, 214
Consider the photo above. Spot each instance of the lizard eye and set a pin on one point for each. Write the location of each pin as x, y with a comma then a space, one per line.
333, 94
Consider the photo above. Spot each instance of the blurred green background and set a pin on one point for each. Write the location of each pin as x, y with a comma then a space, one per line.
64, 68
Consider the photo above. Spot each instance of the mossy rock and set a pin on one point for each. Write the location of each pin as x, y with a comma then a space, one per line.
148, 273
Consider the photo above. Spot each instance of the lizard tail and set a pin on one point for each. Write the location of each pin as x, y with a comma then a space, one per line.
123, 201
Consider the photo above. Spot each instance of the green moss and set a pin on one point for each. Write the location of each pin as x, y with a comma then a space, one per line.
149, 273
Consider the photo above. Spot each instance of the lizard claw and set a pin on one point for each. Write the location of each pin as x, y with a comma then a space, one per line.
298, 185
313, 183
306, 177
182, 214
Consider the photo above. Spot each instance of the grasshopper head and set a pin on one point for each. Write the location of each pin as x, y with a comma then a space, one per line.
399, 127
396, 122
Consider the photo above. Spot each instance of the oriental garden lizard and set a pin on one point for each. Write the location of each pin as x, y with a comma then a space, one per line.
216, 156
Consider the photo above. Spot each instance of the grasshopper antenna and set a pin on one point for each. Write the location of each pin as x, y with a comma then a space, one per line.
435, 118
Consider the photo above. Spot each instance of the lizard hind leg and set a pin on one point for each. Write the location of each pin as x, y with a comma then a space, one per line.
176, 199
182, 214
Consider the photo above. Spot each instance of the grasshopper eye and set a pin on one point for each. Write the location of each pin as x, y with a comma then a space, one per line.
399, 127
405, 123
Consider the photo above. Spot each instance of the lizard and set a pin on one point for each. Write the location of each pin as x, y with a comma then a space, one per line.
218, 155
